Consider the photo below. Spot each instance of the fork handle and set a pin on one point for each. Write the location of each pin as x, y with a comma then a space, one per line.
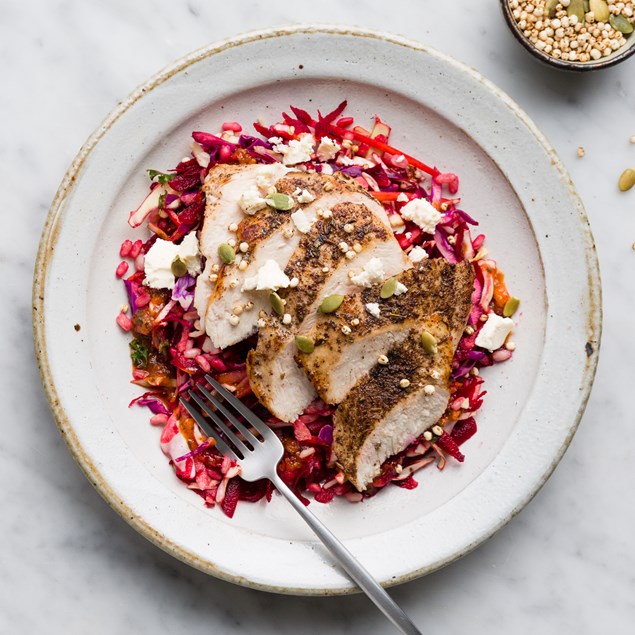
349, 563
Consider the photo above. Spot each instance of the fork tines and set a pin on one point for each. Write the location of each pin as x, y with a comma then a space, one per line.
224, 432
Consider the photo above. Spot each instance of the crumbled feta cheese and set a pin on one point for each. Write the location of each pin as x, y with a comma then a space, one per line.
303, 196
373, 309
422, 214
327, 149
286, 318
371, 273
494, 332
417, 254
297, 151
402, 198
327, 169
251, 201
400, 288
158, 261
275, 140
269, 278
301, 221
266, 177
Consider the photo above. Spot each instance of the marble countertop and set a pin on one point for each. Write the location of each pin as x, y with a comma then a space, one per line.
71, 565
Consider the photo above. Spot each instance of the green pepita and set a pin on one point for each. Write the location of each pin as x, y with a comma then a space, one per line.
551, 7
511, 306
429, 343
600, 10
388, 288
621, 24
178, 267
627, 180
277, 303
305, 344
281, 202
226, 253
576, 8
331, 303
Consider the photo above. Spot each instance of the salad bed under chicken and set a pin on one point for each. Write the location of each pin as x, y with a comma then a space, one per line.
333, 284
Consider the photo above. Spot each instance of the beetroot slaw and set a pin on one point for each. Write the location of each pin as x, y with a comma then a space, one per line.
170, 353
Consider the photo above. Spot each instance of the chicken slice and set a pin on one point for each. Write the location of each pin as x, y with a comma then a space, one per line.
272, 235
223, 187
322, 269
383, 414
350, 341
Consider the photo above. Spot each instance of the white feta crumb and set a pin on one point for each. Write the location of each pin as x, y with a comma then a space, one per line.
158, 261
494, 332
268, 278
327, 169
327, 149
286, 318
417, 254
297, 150
402, 198
373, 309
422, 214
266, 177
293, 283
275, 140
251, 201
400, 288
373, 272
301, 221
304, 196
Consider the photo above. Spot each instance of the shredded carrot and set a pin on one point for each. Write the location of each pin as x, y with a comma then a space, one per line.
385, 196
501, 295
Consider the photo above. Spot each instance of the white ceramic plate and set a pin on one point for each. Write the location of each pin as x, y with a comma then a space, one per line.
511, 180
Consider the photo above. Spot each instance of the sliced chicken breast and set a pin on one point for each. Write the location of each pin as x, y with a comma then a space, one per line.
383, 414
322, 267
223, 187
274, 235
350, 341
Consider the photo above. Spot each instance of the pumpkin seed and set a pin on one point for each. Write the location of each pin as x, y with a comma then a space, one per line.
627, 180
276, 303
600, 9
511, 306
388, 288
621, 24
551, 7
576, 7
331, 303
304, 344
226, 253
429, 343
281, 202
178, 267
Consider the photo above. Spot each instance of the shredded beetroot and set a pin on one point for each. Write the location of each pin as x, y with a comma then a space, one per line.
171, 354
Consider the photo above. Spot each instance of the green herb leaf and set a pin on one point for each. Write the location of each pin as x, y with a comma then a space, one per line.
139, 353
161, 177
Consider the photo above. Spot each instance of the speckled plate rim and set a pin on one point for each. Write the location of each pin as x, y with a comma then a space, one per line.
51, 231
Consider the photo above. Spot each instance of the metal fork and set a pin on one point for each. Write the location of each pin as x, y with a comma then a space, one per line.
258, 459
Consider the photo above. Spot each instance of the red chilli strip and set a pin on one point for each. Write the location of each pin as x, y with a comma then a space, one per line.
385, 197
384, 147
448, 444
